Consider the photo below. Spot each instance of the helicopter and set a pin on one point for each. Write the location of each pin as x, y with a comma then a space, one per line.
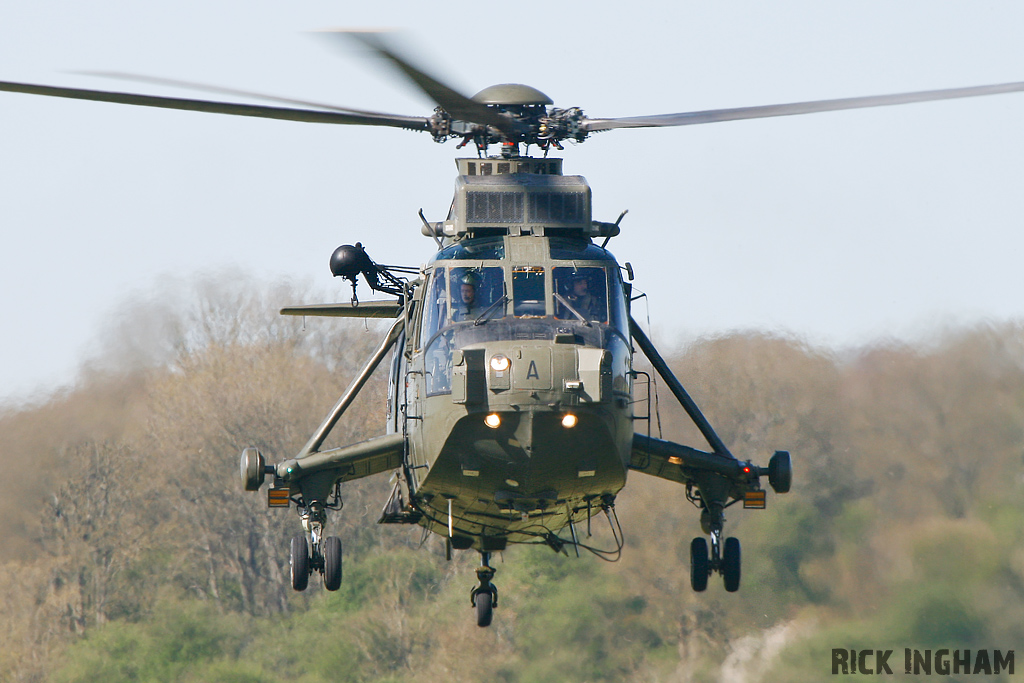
514, 411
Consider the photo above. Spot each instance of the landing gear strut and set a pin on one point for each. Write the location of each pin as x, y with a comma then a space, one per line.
484, 597
311, 552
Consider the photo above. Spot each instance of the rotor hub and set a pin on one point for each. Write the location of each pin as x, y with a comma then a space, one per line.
514, 94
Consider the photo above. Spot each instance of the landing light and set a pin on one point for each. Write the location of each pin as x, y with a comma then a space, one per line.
493, 420
569, 421
500, 363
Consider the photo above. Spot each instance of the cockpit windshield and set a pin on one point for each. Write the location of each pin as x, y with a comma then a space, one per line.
474, 291
581, 293
460, 294
487, 248
587, 293
468, 304
568, 249
528, 292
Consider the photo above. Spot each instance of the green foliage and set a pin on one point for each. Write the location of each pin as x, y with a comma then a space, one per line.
403, 576
178, 638
937, 615
582, 618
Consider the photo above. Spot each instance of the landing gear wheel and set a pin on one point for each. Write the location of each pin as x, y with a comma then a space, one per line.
483, 601
731, 564
299, 563
699, 568
253, 469
332, 563
484, 597
780, 472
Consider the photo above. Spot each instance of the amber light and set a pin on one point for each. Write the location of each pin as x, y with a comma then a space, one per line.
278, 498
754, 500
500, 363
569, 421
493, 421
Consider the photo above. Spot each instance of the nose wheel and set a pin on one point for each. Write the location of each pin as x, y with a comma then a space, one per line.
484, 597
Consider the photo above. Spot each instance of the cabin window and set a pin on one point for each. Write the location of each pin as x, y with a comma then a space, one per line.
528, 291
583, 290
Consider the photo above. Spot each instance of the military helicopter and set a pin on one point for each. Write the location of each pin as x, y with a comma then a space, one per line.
514, 408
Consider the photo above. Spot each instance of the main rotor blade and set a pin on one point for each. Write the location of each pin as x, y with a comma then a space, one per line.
258, 111
189, 85
716, 115
459, 106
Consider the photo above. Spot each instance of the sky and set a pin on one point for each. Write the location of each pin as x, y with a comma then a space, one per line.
843, 229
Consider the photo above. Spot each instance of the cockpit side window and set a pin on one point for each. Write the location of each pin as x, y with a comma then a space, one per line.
528, 291
435, 306
617, 302
584, 290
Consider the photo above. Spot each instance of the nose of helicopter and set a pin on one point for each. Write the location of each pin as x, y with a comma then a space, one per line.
509, 456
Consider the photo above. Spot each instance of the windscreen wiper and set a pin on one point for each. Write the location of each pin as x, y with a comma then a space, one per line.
565, 302
490, 309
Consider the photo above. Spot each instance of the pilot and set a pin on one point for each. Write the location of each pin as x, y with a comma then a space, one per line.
467, 307
581, 298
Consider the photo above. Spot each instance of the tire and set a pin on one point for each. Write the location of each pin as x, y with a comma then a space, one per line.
299, 563
699, 564
780, 472
332, 563
253, 469
731, 564
484, 608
